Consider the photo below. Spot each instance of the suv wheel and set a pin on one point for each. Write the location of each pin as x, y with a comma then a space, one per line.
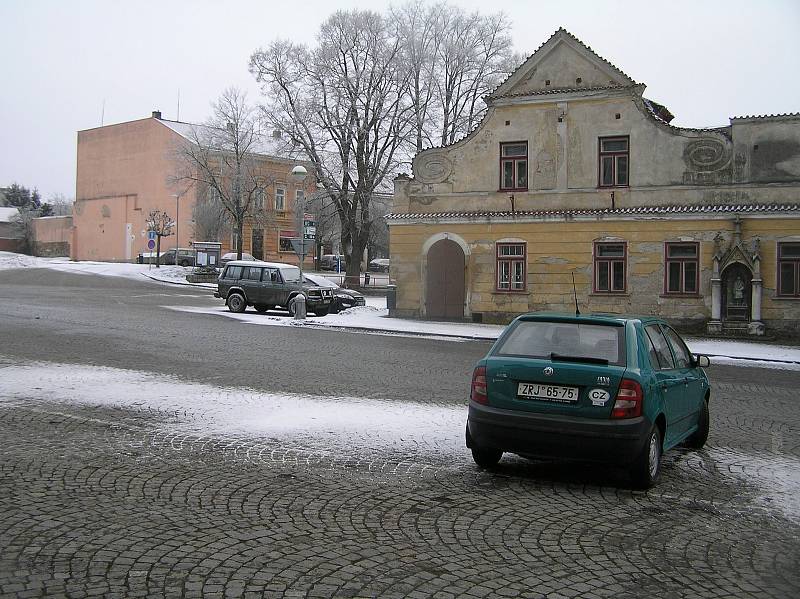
236, 303
647, 467
291, 307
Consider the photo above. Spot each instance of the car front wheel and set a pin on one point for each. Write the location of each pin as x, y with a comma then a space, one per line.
236, 303
647, 468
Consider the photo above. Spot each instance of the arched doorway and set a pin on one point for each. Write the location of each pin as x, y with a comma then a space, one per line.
736, 292
445, 293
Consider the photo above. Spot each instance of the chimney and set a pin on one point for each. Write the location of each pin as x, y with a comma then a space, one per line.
156, 114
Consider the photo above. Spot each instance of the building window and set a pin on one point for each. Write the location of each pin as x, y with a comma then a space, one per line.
259, 199
789, 269
609, 267
511, 267
280, 199
682, 268
285, 240
614, 155
514, 166
299, 197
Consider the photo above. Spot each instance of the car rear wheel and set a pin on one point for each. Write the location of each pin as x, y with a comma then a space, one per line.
698, 438
647, 468
486, 457
236, 303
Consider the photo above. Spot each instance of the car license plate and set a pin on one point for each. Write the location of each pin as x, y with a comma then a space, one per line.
551, 392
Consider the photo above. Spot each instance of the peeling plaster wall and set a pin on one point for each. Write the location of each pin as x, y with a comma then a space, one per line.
557, 250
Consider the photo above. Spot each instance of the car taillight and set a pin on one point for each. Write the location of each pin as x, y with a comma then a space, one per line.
630, 398
478, 394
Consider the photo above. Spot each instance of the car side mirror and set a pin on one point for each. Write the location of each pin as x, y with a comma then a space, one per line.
701, 361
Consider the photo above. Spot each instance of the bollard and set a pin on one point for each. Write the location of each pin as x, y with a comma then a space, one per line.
299, 307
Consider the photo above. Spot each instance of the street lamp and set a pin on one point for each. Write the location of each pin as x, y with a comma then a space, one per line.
299, 174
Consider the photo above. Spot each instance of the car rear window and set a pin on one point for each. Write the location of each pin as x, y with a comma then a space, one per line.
541, 339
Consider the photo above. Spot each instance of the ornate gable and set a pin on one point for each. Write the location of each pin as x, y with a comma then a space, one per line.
562, 63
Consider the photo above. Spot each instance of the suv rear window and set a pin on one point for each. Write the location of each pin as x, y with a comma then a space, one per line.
540, 339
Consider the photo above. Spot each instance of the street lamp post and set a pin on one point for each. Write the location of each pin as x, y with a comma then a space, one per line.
298, 175
177, 227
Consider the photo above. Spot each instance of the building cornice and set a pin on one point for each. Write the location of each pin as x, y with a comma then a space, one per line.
717, 211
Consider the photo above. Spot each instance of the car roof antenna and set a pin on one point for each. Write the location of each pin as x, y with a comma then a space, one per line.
575, 293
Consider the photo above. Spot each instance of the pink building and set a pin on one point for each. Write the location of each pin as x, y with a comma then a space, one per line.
126, 170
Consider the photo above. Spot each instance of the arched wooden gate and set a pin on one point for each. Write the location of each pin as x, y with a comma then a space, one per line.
445, 292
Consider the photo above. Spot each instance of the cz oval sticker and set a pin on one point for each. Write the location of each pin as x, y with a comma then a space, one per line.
599, 397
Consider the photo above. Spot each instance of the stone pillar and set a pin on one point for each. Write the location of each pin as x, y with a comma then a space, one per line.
714, 326
756, 327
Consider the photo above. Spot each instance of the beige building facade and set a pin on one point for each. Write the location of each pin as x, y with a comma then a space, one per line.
573, 173
128, 169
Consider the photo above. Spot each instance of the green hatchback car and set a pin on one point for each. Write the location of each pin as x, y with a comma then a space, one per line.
598, 388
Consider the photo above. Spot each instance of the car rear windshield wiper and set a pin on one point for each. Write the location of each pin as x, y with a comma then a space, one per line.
587, 359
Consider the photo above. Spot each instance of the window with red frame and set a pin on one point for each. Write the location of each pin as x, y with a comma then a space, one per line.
789, 269
614, 157
609, 267
682, 268
511, 261
514, 166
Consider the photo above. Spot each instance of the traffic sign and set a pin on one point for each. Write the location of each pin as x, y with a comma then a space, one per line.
151, 244
151, 235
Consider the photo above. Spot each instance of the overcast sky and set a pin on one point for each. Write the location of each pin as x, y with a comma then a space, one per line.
62, 61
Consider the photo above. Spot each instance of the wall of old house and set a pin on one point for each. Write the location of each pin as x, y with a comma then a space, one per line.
558, 248
52, 235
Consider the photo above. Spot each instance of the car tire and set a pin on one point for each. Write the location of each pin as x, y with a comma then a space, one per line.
290, 306
647, 467
261, 308
236, 303
335, 307
699, 437
486, 457
321, 311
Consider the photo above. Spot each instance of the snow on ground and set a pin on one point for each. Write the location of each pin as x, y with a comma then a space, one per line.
337, 424
374, 317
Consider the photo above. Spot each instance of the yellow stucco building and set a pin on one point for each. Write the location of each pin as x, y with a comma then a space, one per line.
573, 173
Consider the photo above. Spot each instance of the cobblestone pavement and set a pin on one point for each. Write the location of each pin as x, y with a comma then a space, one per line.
165, 498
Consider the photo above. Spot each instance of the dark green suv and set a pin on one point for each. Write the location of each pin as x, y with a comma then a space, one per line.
604, 388
265, 285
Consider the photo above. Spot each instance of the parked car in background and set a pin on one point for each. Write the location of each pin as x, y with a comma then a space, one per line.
148, 258
232, 256
605, 388
186, 257
265, 285
342, 298
379, 265
332, 262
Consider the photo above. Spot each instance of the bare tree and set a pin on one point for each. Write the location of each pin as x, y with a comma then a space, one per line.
22, 223
224, 159
345, 103
161, 224
209, 218
61, 204
455, 59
